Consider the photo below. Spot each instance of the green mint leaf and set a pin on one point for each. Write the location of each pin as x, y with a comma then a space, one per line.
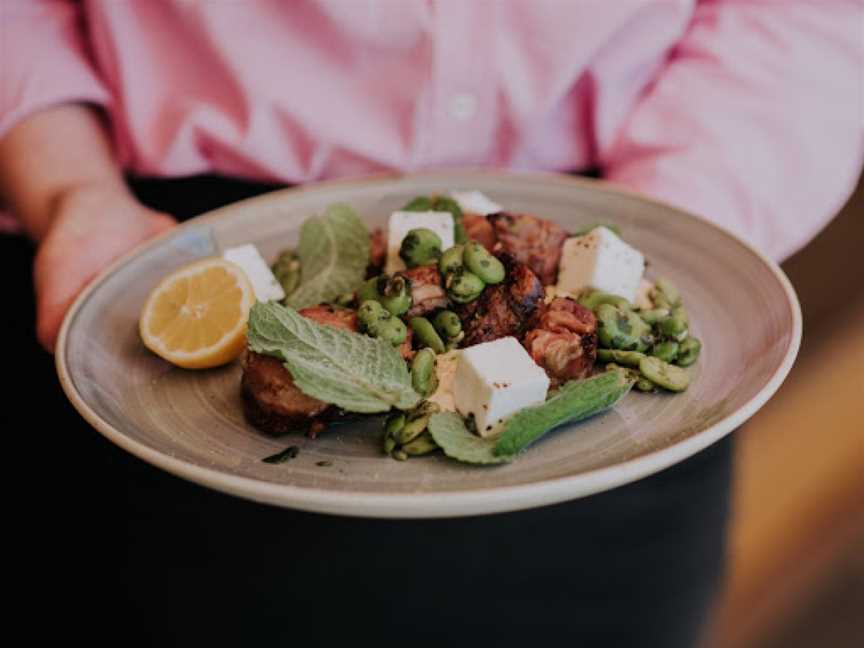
576, 400
449, 431
353, 371
334, 253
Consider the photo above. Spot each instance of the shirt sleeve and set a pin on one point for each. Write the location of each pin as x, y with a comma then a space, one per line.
755, 122
44, 59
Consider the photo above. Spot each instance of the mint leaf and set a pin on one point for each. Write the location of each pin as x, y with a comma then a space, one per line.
334, 253
576, 400
449, 431
353, 371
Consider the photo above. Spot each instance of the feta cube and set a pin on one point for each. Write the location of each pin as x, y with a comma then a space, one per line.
474, 202
445, 370
602, 261
266, 286
494, 380
402, 222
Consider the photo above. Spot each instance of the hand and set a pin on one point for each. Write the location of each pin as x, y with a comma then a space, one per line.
90, 228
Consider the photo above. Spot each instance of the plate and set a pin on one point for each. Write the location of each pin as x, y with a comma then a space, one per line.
191, 424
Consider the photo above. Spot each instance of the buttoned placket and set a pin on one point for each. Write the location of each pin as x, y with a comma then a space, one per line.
462, 111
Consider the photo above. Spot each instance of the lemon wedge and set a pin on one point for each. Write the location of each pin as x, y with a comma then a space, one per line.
196, 317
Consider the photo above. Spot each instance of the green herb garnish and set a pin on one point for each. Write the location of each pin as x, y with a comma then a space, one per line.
353, 371
333, 254
281, 457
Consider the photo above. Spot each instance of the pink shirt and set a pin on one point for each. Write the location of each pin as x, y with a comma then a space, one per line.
748, 112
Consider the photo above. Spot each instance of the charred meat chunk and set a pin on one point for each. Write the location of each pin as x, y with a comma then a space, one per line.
377, 252
271, 400
479, 228
503, 309
563, 340
534, 241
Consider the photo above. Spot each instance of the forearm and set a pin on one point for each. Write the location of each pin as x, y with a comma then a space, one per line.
50, 155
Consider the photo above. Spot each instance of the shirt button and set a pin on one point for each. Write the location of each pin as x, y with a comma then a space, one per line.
463, 106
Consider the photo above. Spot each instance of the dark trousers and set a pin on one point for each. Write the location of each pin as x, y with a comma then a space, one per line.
119, 544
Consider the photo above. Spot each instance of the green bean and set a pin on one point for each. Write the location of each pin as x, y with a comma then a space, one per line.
667, 351
426, 334
654, 315
368, 290
378, 322
464, 286
627, 358
483, 264
413, 428
674, 326
345, 300
420, 246
286, 269
645, 385
594, 298
389, 444
448, 325
688, 352
423, 376
394, 423
423, 444
668, 290
395, 294
441, 204
664, 374
451, 260
622, 329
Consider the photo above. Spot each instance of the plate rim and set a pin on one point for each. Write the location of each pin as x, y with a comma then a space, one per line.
481, 501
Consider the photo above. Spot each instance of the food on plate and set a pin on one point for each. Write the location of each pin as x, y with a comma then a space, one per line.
196, 316
267, 287
534, 241
600, 260
474, 330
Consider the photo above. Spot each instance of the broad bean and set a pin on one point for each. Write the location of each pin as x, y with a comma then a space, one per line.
464, 286
688, 352
423, 376
622, 329
483, 264
420, 246
426, 334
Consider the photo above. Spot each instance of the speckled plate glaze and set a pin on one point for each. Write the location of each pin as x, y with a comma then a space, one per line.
191, 423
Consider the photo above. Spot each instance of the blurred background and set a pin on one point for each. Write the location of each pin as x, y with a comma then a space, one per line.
796, 571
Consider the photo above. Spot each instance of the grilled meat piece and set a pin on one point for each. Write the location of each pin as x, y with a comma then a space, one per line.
272, 402
563, 340
427, 293
479, 228
503, 309
533, 241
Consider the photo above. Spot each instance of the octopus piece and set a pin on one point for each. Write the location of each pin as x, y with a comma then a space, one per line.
427, 293
563, 340
503, 309
534, 241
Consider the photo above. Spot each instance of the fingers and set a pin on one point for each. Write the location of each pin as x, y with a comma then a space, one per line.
74, 253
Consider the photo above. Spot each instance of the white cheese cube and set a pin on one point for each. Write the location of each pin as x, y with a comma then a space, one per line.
495, 380
266, 286
402, 222
474, 202
602, 261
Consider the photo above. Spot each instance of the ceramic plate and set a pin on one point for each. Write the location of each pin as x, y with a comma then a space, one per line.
190, 423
